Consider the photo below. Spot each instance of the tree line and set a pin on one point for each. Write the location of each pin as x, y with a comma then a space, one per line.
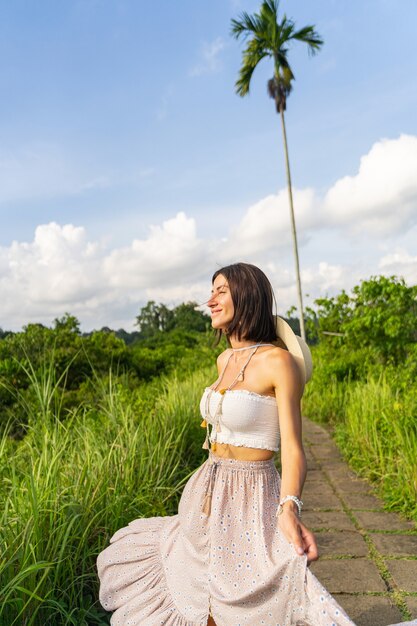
165, 339
371, 327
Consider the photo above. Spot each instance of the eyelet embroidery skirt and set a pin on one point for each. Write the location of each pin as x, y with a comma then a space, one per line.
222, 554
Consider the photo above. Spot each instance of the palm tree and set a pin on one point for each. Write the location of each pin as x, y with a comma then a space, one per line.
268, 37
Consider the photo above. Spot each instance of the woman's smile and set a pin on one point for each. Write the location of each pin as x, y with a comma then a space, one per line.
220, 304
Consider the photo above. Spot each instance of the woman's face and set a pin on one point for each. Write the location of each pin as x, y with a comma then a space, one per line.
221, 304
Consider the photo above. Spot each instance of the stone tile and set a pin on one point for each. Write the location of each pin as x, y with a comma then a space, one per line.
334, 459
350, 485
344, 543
373, 520
411, 602
312, 427
362, 501
320, 500
314, 436
317, 487
324, 447
316, 474
348, 576
404, 573
337, 466
369, 610
339, 472
317, 438
396, 545
333, 520
310, 459
312, 465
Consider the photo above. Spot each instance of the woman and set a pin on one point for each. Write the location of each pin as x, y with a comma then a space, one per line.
237, 551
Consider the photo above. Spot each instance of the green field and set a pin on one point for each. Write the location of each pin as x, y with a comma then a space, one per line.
69, 484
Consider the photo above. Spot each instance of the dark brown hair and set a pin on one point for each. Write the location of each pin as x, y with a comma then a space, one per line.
253, 301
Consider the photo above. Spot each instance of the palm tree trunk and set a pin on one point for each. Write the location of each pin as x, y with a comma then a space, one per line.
293, 228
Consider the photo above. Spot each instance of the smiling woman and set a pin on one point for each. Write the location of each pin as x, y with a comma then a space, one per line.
237, 551
223, 310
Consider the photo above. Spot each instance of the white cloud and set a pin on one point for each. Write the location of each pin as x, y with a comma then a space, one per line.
318, 280
63, 270
266, 224
210, 62
60, 269
170, 253
381, 198
379, 201
325, 277
401, 263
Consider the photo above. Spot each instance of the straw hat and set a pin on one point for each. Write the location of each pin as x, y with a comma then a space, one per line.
297, 347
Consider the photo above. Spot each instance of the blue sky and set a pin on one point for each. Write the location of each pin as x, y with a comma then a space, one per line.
121, 140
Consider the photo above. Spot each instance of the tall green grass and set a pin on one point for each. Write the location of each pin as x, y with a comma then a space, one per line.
78, 476
375, 423
379, 437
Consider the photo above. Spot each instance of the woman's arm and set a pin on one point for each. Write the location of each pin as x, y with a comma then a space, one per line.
288, 391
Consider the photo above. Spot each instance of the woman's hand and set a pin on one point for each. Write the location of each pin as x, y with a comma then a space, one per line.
296, 533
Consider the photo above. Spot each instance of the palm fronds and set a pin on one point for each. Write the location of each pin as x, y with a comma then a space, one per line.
254, 53
246, 25
268, 36
309, 36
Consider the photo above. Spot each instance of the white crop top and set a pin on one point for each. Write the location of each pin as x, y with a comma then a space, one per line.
247, 418
238, 416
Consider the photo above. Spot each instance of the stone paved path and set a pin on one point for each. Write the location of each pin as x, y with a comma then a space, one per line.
368, 557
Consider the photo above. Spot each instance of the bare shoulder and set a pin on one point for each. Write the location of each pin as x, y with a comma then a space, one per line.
279, 358
282, 368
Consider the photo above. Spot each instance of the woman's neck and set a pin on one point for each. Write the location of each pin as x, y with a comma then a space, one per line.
244, 344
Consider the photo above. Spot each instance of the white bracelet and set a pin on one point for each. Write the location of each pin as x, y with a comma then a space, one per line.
287, 499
